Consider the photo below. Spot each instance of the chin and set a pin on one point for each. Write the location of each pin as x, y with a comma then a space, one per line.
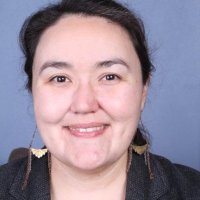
88, 167
85, 158
87, 162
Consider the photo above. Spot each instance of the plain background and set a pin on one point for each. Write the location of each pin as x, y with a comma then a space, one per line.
172, 113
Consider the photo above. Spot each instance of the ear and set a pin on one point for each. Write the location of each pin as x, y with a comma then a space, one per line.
144, 95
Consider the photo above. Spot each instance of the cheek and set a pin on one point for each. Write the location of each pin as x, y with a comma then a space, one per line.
122, 103
50, 106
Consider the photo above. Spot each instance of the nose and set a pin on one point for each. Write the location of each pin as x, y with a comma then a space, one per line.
84, 100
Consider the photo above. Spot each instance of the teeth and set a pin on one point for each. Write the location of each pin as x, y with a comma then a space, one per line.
87, 130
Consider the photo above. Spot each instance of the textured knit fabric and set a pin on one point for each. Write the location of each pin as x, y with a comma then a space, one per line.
171, 182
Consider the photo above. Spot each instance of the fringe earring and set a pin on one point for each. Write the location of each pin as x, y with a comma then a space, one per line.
37, 153
148, 163
140, 149
143, 149
28, 170
49, 165
130, 156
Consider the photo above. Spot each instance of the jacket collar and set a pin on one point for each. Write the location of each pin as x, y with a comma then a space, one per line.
139, 184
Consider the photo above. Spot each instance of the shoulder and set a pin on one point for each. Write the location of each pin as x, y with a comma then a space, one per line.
12, 177
8, 173
183, 179
180, 171
9, 170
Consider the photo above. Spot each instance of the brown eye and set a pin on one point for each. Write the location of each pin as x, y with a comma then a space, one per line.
59, 79
111, 77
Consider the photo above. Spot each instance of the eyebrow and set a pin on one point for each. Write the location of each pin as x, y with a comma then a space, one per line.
109, 63
60, 64
54, 64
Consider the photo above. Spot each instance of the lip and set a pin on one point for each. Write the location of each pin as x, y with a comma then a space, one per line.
87, 130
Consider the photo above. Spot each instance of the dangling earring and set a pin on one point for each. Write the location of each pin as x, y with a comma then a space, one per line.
49, 165
37, 153
139, 149
130, 156
148, 163
28, 170
142, 149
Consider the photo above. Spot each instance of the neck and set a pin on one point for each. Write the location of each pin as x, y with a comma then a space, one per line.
109, 181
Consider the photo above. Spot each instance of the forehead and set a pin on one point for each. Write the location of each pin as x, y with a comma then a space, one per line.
81, 25
86, 37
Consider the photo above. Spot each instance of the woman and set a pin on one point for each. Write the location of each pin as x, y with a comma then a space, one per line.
88, 71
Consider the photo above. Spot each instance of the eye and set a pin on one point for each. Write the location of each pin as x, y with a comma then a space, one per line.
59, 79
111, 77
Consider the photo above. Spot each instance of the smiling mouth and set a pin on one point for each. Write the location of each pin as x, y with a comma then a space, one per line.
87, 130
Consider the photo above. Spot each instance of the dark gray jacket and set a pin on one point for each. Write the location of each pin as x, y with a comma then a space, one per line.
171, 182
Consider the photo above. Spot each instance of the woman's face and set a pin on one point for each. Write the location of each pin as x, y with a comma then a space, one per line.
87, 91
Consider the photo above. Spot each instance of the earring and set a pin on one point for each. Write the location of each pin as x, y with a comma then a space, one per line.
37, 153
143, 149
148, 163
49, 165
139, 149
28, 170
